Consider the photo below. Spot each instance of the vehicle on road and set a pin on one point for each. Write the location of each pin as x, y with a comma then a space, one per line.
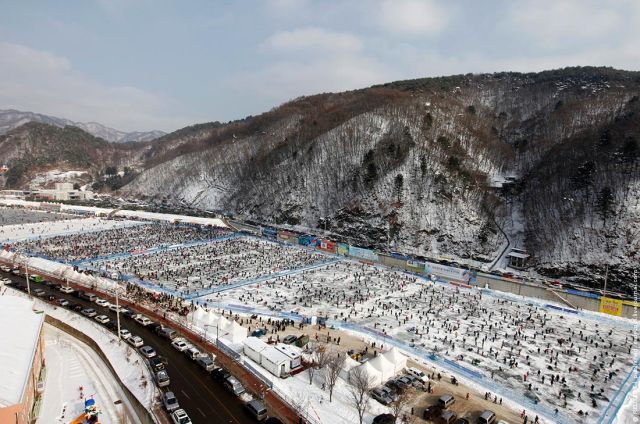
384, 419
39, 292
162, 378
148, 351
206, 363
102, 302
87, 296
220, 374
135, 341
124, 333
157, 363
234, 386
127, 313
180, 344
170, 401
180, 417
66, 289
63, 302
289, 339
102, 319
193, 353
115, 308
168, 333
89, 312
257, 409
142, 320
487, 417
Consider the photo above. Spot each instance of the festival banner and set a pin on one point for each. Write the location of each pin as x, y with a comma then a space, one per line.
327, 246
288, 236
446, 272
358, 252
611, 306
342, 249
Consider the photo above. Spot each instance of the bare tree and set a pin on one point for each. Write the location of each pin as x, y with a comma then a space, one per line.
334, 366
359, 385
320, 356
402, 403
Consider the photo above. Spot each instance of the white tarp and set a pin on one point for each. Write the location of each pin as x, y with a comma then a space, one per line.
349, 364
374, 375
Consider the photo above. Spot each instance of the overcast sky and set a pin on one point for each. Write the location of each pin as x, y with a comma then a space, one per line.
155, 64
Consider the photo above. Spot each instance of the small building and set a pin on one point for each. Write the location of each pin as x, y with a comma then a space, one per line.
274, 361
21, 360
293, 352
518, 258
253, 347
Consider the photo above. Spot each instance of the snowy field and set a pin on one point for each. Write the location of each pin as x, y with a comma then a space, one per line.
40, 230
115, 240
189, 269
71, 365
547, 356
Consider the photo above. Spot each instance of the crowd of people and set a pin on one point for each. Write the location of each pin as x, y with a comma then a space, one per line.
186, 270
92, 244
14, 216
569, 362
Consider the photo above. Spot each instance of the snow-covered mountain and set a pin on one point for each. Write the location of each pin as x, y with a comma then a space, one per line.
412, 166
10, 119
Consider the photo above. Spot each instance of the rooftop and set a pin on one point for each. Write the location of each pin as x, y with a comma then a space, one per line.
18, 346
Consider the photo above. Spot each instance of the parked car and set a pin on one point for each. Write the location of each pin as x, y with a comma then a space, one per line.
148, 351
432, 412
89, 312
257, 409
124, 333
447, 417
193, 353
420, 375
102, 319
220, 374
381, 396
162, 378
63, 302
111, 325
463, 421
180, 417
289, 339
87, 296
487, 417
102, 302
168, 333
128, 313
234, 386
392, 394
154, 326
157, 363
206, 363
142, 320
446, 401
66, 289
384, 419
180, 344
115, 308
170, 401
39, 292
135, 341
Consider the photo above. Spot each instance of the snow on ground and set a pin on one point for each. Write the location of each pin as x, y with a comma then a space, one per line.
56, 175
127, 362
190, 269
115, 241
544, 354
630, 410
71, 365
14, 233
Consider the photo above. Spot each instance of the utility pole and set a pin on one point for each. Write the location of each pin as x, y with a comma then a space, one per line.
118, 315
606, 274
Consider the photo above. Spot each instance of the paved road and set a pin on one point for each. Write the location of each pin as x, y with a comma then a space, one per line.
205, 400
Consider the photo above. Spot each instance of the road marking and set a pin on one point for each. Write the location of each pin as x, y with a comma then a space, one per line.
201, 412
185, 393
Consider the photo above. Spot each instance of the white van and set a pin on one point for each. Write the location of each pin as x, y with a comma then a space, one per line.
142, 320
418, 374
487, 417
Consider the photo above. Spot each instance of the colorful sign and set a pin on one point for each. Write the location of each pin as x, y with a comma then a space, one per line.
308, 240
270, 233
358, 252
444, 271
611, 306
327, 246
342, 249
287, 236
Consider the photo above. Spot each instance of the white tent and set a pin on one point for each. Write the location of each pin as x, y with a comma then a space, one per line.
374, 375
212, 318
349, 364
384, 367
396, 358
237, 333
